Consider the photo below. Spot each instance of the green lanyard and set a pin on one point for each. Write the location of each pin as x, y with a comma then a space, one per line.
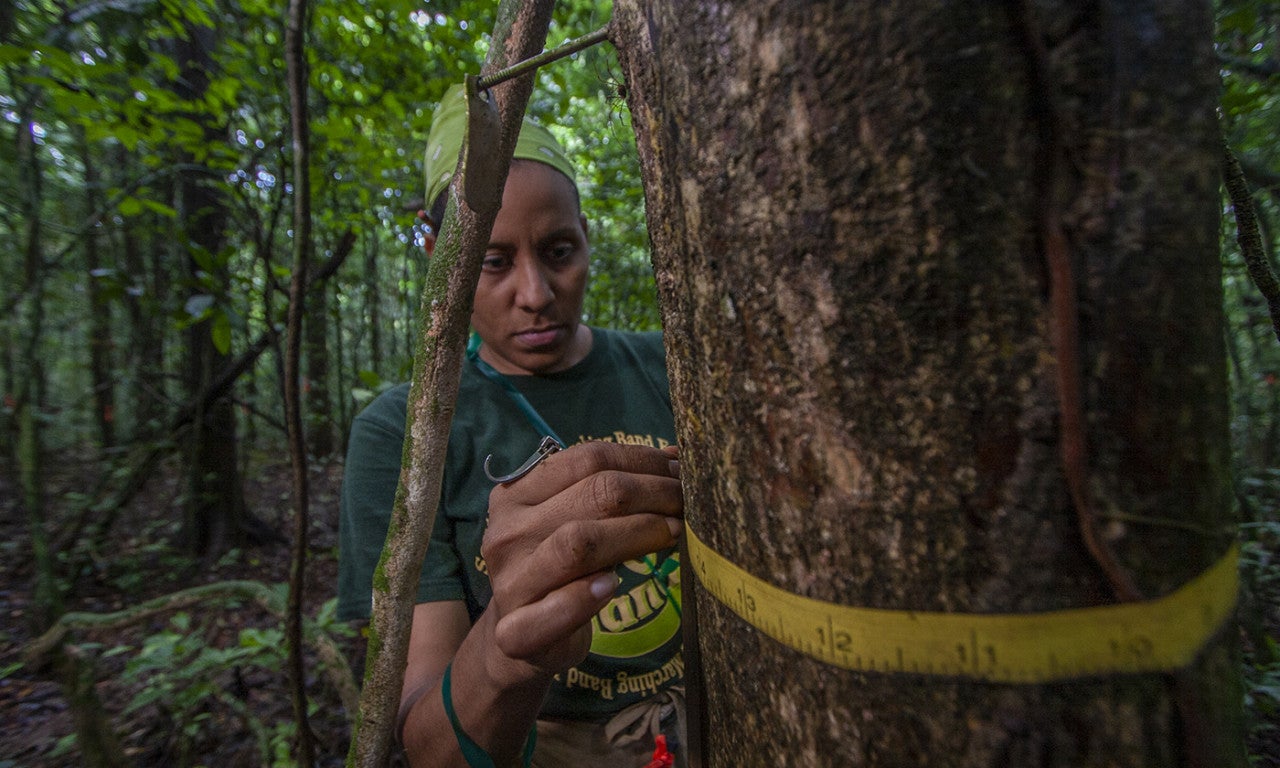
517, 397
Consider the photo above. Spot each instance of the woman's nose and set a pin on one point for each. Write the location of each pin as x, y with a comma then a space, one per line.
533, 290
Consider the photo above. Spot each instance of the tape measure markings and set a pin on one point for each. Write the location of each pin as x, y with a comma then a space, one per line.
1158, 635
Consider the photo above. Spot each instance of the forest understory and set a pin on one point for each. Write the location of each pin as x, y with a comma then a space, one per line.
200, 687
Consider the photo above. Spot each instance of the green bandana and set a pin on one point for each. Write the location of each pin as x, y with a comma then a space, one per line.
444, 143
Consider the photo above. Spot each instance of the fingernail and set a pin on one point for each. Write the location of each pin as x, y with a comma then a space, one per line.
604, 585
673, 467
676, 525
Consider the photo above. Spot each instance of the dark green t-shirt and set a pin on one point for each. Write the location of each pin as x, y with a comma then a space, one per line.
618, 393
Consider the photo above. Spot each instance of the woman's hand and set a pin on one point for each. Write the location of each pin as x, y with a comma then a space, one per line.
555, 537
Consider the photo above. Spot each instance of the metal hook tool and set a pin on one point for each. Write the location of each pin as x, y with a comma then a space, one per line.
548, 446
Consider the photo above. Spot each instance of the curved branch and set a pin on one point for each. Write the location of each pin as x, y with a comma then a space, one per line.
334, 664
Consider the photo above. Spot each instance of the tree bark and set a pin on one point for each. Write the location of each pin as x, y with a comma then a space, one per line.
862, 217
98, 744
295, 39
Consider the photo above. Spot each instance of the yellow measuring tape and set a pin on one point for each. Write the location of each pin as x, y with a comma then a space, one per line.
1159, 635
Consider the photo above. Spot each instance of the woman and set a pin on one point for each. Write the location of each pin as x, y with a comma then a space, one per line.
553, 596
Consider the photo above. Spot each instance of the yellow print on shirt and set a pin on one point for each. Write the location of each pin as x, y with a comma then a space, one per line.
642, 619
622, 683
622, 438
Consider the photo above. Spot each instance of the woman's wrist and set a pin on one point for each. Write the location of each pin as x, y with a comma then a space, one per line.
490, 693
503, 671
475, 755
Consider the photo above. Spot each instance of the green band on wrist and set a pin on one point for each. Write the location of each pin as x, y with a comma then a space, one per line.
472, 752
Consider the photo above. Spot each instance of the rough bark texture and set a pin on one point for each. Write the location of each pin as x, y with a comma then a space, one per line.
847, 224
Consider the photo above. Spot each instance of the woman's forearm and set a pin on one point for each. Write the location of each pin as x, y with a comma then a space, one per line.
495, 701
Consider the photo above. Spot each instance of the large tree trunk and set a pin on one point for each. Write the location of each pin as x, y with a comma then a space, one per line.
861, 214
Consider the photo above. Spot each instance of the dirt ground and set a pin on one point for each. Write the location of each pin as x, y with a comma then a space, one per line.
227, 718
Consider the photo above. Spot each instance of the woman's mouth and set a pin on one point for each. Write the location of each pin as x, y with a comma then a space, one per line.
539, 337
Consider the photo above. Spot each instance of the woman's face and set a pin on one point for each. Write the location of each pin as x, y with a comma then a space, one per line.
528, 303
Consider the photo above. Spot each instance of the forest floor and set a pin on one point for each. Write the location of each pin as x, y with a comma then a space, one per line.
207, 686
204, 686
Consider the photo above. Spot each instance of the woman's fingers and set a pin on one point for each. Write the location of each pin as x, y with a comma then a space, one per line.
516, 528
527, 632
556, 535
560, 471
577, 549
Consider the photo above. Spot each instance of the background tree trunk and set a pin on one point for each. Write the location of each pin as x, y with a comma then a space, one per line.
216, 516
146, 293
25, 358
319, 401
373, 306
101, 337
852, 208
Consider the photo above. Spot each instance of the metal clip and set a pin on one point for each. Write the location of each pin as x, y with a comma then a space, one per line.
548, 446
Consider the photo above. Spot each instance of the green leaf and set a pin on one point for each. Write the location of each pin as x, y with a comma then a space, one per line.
64, 745
130, 206
221, 332
159, 208
12, 54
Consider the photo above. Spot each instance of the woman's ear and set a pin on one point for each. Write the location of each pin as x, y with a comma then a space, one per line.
429, 233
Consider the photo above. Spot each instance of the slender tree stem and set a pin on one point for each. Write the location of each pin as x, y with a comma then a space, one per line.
546, 57
296, 64
520, 29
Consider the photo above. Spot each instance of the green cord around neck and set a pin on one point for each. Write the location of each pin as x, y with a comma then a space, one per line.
535, 419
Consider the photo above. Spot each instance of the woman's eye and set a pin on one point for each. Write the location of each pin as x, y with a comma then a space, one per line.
561, 252
494, 261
